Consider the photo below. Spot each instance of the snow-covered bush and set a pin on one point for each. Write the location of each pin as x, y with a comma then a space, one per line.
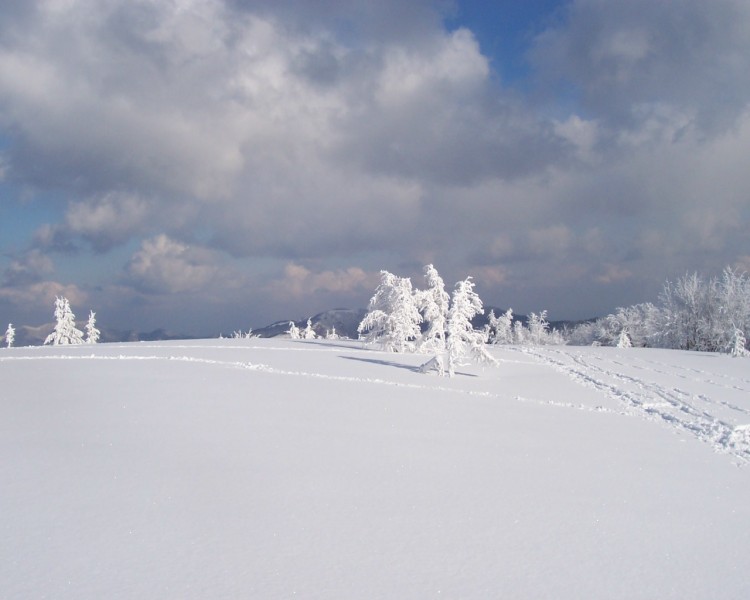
241, 335
10, 335
65, 331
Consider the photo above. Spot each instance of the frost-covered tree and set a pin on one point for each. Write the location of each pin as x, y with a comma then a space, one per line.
624, 339
293, 331
433, 303
92, 333
519, 333
308, 333
65, 331
10, 335
738, 344
393, 318
463, 340
538, 328
331, 334
501, 328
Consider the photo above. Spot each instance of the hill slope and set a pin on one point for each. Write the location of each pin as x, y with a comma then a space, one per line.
276, 469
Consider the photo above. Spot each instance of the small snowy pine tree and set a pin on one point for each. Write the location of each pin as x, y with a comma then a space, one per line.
65, 331
293, 331
92, 333
308, 333
10, 335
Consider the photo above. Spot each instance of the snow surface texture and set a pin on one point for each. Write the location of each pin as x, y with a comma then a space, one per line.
297, 469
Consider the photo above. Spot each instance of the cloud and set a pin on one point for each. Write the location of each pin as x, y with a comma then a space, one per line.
41, 294
103, 221
301, 282
629, 58
30, 267
240, 142
164, 266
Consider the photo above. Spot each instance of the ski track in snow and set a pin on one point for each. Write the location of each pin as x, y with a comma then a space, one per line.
638, 397
670, 405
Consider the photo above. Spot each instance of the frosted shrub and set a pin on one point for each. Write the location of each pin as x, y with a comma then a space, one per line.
10, 335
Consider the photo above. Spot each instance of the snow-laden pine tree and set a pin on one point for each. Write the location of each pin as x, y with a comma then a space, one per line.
463, 340
65, 331
10, 335
519, 333
308, 333
293, 331
92, 333
433, 303
331, 334
393, 319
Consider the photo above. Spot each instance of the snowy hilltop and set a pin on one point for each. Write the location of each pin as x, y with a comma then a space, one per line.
278, 468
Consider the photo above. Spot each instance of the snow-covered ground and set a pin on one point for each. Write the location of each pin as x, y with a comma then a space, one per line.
280, 469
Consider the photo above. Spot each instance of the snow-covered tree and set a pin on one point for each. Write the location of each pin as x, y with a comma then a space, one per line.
501, 328
433, 303
308, 333
10, 335
393, 319
624, 339
519, 333
65, 331
293, 331
92, 333
738, 344
538, 328
463, 340
331, 334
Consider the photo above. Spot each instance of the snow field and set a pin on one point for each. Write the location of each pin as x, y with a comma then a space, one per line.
279, 469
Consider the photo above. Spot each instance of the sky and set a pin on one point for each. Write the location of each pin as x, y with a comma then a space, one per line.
213, 165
